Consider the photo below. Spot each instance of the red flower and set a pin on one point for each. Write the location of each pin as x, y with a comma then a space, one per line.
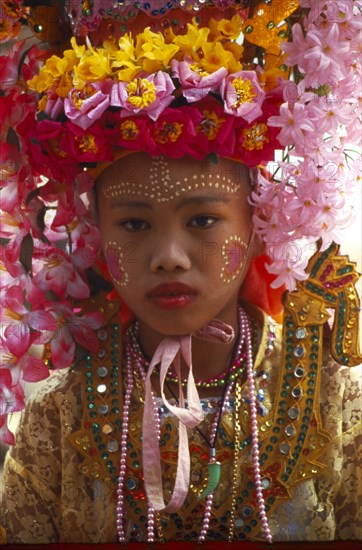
87, 146
215, 132
174, 132
52, 151
256, 142
131, 132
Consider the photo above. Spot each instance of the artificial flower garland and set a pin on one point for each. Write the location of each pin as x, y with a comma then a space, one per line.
173, 95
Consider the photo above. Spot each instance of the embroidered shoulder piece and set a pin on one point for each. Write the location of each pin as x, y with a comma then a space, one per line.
293, 450
99, 437
331, 285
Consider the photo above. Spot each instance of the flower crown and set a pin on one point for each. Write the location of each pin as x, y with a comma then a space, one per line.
160, 93
193, 92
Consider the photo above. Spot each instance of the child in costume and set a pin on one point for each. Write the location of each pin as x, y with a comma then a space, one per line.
180, 408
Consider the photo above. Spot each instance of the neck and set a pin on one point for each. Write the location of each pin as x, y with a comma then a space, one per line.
208, 359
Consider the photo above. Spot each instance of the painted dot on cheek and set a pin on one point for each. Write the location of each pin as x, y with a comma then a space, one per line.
114, 258
233, 253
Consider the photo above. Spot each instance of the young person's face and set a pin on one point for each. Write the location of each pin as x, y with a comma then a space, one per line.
176, 236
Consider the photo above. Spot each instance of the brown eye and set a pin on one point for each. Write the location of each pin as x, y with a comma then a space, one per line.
135, 224
203, 222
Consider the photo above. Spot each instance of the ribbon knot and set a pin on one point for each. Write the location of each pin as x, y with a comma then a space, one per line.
170, 351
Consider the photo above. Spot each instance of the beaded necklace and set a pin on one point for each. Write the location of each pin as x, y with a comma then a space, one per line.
232, 372
134, 357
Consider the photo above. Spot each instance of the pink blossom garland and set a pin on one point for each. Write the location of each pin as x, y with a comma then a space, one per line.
312, 198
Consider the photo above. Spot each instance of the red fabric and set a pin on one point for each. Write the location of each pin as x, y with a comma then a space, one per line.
256, 288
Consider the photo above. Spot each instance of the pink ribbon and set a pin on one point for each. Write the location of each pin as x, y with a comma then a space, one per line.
169, 352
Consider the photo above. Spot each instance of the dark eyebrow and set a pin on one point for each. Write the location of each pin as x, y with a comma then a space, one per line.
125, 203
203, 199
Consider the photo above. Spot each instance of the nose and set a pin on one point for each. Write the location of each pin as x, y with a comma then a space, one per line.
170, 254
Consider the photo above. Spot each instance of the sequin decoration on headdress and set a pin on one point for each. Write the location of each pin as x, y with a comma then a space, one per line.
238, 79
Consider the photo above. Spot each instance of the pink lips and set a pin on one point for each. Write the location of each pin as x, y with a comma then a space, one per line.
172, 295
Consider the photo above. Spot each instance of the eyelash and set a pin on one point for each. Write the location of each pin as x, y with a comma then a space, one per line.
211, 219
129, 225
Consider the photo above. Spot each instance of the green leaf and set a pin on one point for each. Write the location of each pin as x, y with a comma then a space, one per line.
26, 252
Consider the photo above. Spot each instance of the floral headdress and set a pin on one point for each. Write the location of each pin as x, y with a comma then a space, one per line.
266, 78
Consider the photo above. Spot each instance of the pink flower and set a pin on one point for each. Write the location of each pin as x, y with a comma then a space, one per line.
12, 176
320, 55
59, 275
84, 107
195, 85
288, 271
151, 95
5, 434
329, 117
11, 396
73, 329
275, 228
26, 367
12, 399
54, 106
23, 325
70, 200
294, 122
86, 245
14, 227
17, 63
242, 95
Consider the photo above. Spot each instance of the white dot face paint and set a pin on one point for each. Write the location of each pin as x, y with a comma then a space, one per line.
190, 236
160, 187
234, 251
114, 259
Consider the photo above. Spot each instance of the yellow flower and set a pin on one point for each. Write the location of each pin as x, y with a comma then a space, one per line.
153, 52
193, 41
129, 130
64, 85
80, 96
124, 59
169, 131
87, 143
6, 29
141, 92
245, 91
42, 103
255, 137
210, 124
78, 50
215, 57
237, 52
92, 67
232, 28
55, 70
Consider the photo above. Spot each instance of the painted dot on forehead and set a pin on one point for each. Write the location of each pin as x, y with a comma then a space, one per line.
161, 186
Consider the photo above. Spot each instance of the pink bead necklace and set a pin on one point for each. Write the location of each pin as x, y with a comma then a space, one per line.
135, 357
